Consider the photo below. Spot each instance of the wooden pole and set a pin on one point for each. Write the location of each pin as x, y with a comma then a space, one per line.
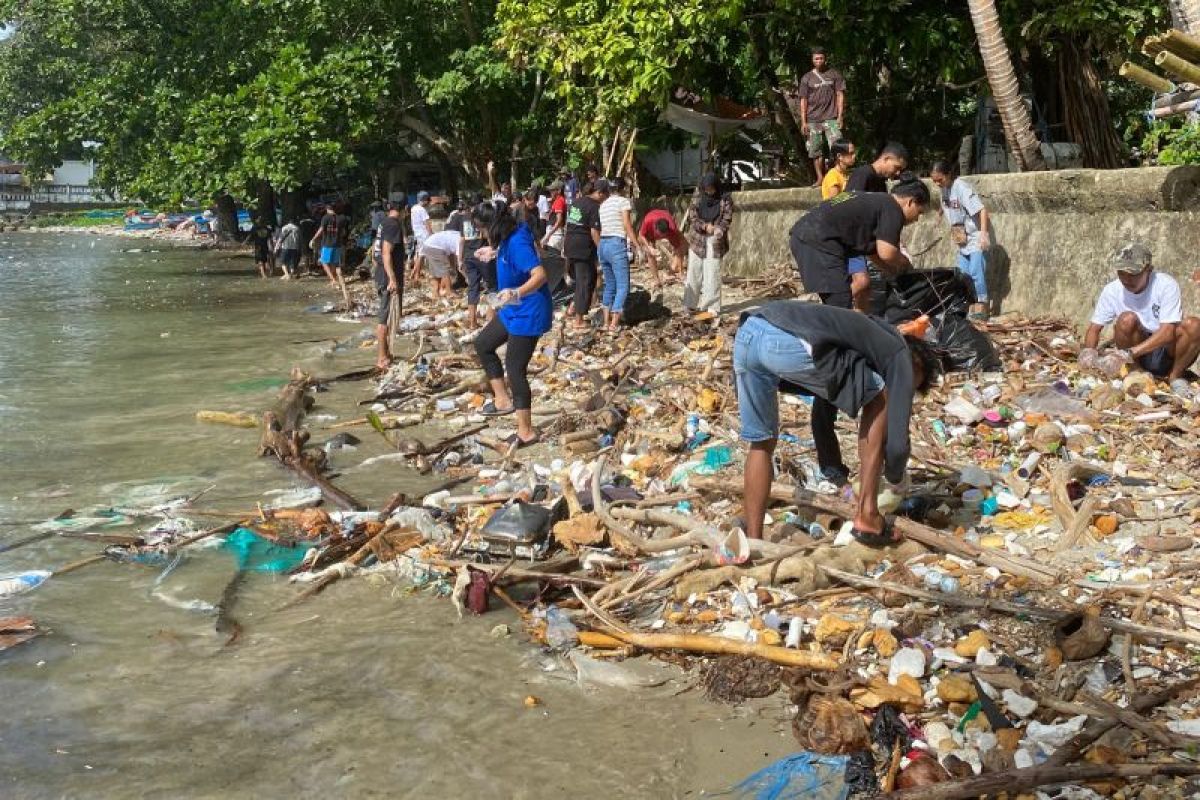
1177, 66
1145, 77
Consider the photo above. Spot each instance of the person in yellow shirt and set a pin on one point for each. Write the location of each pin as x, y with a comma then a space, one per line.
835, 179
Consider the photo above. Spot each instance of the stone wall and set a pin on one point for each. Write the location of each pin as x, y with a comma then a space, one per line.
1053, 232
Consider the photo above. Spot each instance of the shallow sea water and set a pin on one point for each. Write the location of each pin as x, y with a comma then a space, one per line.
108, 347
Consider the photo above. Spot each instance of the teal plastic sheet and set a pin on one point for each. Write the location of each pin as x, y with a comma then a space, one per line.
253, 553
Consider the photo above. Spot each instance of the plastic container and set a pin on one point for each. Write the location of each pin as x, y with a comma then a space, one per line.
971, 499
964, 410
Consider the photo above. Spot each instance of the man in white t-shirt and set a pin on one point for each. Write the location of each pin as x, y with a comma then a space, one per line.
442, 253
1146, 312
421, 226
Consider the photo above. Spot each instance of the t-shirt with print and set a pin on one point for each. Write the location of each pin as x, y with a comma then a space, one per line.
331, 230
583, 217
865, 179
648, 230
612, 215
420, 222
820, 89
961, 206
391, 231
472, 238
1157, 304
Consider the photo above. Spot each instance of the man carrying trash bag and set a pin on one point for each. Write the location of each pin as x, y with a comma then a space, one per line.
858, 363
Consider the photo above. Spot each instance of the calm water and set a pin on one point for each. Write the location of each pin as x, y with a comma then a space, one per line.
367, 690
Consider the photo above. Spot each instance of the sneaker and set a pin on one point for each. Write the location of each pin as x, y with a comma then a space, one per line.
1182, 388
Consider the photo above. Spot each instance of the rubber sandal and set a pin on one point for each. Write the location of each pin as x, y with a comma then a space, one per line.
883, 538
489, 410
516, 438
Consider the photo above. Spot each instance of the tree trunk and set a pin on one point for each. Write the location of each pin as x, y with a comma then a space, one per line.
266, 203
1014, 116
227, 218
448, 149
1085, 106
759, 44
292, 202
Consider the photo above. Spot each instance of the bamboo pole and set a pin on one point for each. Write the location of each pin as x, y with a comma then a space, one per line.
1145, 77
1152, 46
1181, 44
1178, 66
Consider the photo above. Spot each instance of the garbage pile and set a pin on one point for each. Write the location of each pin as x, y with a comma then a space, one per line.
1037, 625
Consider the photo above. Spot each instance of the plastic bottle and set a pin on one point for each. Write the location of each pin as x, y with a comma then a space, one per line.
795, 628
22, 581
560, 631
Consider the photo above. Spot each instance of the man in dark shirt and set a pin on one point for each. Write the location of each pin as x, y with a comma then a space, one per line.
854, 224
579, 246
389, 279
480, 274
847, 360
873, 177
333, 232
821, 97
308, 227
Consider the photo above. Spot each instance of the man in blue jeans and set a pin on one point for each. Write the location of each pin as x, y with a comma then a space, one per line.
857, 363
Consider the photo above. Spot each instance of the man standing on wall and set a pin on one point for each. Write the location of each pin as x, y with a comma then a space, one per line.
822, 96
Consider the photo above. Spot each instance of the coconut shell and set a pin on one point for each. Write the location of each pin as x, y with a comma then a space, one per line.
831, 725
1081, 636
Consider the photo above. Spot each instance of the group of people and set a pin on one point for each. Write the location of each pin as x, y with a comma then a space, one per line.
302, 242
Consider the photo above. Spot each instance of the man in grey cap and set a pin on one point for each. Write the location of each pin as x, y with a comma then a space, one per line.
1146, 312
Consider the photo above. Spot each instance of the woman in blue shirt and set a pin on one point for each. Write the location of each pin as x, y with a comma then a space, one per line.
525, 313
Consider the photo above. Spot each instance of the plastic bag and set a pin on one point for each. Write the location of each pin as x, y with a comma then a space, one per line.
935, 292
254, 553
810, 776
22, 581
964, 347
519, 522
1054, 404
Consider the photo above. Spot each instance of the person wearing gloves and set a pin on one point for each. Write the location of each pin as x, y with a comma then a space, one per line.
969, 222
708, 220
859, 364
1149, 329
525, 313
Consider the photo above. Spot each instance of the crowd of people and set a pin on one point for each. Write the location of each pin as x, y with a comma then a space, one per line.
578, 239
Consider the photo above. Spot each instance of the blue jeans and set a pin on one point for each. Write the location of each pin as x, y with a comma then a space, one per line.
614, 261
763, 355
974, 265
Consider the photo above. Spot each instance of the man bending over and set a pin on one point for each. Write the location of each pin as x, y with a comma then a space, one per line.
856, 362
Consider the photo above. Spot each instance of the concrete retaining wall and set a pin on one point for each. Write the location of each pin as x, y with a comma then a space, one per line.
1053, 232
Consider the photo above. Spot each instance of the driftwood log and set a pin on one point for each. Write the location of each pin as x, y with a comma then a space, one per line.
284, 438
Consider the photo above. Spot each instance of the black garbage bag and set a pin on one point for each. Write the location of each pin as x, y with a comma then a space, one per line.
641, 306
881, 290
935, 292
963, 347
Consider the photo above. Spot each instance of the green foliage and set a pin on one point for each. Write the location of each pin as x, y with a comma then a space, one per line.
1174, 144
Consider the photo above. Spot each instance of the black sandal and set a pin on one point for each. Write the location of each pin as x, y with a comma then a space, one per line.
489, 409
516, 439
885, 537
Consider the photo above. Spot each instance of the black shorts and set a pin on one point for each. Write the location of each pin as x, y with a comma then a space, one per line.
385, 305
1158, 362
262, 253
290, 259
820, 272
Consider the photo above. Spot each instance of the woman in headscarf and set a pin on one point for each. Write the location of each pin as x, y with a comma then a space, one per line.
708, 220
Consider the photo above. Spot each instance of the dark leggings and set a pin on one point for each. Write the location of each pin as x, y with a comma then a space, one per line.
584, 272
824, 413
516, 359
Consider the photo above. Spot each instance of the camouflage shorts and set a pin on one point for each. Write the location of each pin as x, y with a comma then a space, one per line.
826, 130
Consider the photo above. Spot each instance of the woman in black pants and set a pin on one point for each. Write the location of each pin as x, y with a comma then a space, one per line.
579, 247
525, 313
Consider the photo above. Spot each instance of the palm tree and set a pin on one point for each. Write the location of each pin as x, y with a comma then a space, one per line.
1014, 116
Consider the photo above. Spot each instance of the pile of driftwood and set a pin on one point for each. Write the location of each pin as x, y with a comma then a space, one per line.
1047, 638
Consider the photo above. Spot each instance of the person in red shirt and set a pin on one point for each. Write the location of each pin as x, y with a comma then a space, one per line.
657, 226
557, 226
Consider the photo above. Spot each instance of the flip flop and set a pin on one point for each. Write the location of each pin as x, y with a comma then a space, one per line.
522, 442
883, 538
489, 410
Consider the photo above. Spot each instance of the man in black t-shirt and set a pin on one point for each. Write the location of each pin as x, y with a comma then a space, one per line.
579, 246
308, 227
873, 177
854, 224
389, 278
